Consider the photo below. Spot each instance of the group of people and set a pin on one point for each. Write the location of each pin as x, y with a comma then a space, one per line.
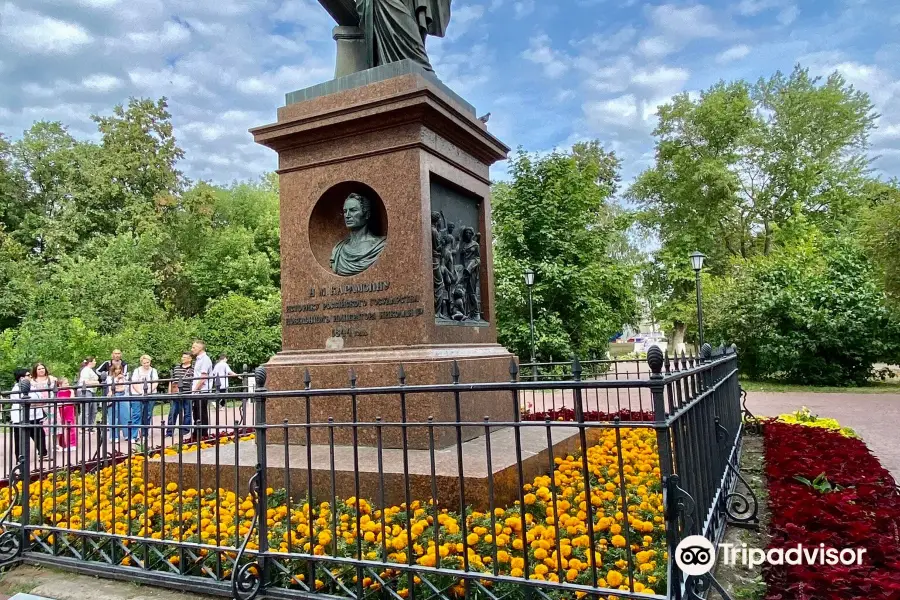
128, 395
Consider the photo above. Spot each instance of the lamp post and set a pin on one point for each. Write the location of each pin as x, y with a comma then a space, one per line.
529, 283
697, 264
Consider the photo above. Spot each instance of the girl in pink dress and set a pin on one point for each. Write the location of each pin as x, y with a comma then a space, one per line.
67, 437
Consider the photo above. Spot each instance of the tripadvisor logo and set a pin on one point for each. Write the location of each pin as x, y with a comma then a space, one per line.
695, 555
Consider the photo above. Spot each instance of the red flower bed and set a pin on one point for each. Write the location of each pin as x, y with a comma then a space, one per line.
864, 514
567, 414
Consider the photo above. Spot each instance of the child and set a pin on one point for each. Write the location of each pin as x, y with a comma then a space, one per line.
67, 437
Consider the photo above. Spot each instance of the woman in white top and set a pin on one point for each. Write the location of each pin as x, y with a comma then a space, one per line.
144, 381
32, 422
88, 384
43, 387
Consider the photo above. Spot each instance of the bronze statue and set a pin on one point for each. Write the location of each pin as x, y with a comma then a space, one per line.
470, 256
456, 264
437, 263
393, 30
356, 253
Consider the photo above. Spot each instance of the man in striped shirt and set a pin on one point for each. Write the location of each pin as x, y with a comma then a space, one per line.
181, 384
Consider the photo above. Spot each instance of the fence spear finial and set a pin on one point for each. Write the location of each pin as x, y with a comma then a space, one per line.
655, 359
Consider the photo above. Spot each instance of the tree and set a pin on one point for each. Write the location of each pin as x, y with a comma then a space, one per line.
247, 330
809, 313
16, 281
106, 244
737, 165
12, 187
555, 217
46, 160
222, 240
880, 235
108, 285
138, 165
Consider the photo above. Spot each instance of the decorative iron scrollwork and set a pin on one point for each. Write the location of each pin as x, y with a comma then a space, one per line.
10, 547
247, 579
752, 425
11, 540
741, 509
697, 586
678, 503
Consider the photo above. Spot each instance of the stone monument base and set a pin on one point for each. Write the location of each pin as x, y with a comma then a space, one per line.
428, 472
380, 367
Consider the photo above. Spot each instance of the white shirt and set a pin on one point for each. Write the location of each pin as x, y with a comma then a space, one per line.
138, 376
88, 377
15, 413
220, 372
202, 365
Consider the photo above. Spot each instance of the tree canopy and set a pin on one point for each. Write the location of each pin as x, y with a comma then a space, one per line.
106, 244
759, 177
555, 216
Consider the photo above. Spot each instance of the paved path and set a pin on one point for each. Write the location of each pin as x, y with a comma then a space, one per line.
56, 584
875, 417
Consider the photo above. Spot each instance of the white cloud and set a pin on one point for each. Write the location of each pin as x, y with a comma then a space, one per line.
788, 14
787, 10
101, 82
98, 3
284, 79
615, 110
732, 54
749, 8
651, 106
540, 53
523, 8
41, 34
674, 26
684, 22
171, 34
162, 80
662, 78
463, 18
656, 47
609, 42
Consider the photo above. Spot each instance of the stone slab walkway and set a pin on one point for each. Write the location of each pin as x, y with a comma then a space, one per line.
875, 417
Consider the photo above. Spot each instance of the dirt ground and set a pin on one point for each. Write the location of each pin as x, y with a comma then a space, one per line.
740, 582
55, 584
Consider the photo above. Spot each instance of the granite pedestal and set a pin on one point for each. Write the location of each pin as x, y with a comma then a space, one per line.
400, 138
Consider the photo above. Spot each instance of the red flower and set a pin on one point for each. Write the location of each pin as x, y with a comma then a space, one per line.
864, 514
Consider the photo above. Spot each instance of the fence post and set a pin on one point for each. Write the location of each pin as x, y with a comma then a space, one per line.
261, 464
656, 360
25, 458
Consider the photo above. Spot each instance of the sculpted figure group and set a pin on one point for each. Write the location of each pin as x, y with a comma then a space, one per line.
456, 267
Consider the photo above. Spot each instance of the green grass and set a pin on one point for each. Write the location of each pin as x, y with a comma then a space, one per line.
876, 387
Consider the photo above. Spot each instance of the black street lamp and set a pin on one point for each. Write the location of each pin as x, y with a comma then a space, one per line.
697, 264
529, 283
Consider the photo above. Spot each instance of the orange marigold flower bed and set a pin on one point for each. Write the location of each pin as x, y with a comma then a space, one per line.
546, 539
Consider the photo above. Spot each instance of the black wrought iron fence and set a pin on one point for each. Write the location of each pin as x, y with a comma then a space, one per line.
401, 491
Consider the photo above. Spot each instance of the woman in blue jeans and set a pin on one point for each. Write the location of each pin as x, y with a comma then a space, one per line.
119, 411
144, 380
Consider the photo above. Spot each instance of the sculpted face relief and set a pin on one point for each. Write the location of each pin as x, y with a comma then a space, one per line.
356, 253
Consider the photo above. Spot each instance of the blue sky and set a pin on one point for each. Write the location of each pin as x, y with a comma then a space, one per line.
551, 73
